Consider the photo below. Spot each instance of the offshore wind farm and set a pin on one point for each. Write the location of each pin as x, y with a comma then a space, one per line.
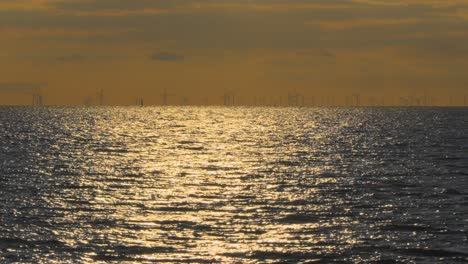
292, 98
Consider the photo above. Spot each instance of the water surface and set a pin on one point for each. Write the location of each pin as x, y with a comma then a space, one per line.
213, 184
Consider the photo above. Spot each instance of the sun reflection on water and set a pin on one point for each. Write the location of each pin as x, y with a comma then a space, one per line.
211, 185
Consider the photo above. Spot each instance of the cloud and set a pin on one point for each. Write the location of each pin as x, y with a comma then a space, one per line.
96, 5
167, 56
355, 23
19, 87
315, 53
234, 24
71, 58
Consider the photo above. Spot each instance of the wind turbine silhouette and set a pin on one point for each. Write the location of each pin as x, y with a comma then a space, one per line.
165, 96
37, 98
229, 98
100, 96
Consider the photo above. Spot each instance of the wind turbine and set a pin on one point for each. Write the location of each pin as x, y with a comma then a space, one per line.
165, 96
33, 89
229, 98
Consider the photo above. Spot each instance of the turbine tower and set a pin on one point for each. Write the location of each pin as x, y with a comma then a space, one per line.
165, 97
357, 99
295, 99
229, 98
100, 96
139, 101
37, 98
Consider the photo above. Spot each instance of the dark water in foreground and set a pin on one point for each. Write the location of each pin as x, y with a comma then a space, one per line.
238, 185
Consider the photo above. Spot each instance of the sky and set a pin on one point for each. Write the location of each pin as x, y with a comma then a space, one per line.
199, 50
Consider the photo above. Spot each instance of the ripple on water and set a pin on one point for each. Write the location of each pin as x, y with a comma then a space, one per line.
245, 185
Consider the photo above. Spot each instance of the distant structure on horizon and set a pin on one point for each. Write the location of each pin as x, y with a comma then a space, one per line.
259, 101
165, 97
87, 101
295, 99
140, 102
185, 100
312, 101
356, 100
37, 98
292, 98
229, 98
100, 97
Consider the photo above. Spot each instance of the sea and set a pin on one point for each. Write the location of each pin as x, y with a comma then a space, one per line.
233, 185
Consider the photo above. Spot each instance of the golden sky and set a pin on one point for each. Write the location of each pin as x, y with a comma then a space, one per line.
201, 49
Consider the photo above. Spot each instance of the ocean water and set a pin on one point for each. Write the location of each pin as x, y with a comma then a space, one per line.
233, 185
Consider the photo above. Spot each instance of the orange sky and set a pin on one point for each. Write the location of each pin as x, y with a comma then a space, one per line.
255, 48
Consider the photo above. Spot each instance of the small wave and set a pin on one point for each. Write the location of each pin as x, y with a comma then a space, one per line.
187, 142
175, 209
6, 242
218, 168
286, 163
193, 147
437, 252
299, 218
279, 255
130, 253
450, 191
412, 228
111, 150
185, 225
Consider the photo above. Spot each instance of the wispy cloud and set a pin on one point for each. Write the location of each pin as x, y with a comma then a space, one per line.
19, 87
167, 56
356, 23
71, 58
60, 31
